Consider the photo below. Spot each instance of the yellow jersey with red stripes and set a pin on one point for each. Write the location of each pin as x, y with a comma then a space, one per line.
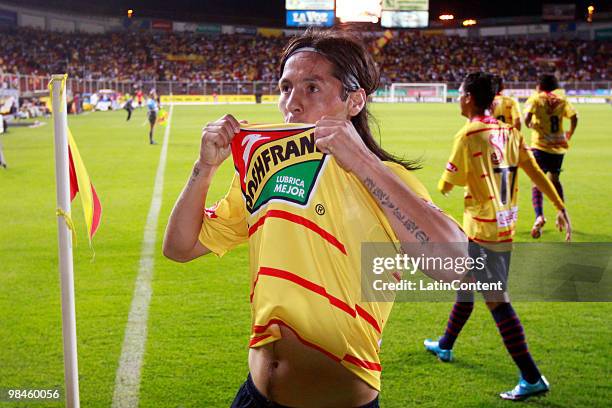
305, 219
549, 109
506, 109
485, 159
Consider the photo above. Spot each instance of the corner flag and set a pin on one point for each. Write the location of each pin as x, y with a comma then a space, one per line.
163, 117
80, 183
71, 177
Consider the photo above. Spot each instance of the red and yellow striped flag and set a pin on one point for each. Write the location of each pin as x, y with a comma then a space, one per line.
80, 183
380, 43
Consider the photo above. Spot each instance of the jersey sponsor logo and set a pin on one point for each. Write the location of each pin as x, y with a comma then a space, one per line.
451, 167
556, 139
506, 218
247, 143
279, 163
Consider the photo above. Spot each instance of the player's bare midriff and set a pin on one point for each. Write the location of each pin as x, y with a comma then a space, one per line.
293, 374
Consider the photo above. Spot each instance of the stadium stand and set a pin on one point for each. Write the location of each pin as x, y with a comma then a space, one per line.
145, 56
414, 58
192, 57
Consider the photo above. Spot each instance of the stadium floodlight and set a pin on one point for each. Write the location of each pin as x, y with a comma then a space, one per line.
591, 11
469, 22
418, 92
130, 13
446, 17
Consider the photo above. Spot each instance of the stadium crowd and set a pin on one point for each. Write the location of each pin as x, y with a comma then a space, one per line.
411, 58
188, 57
141, 56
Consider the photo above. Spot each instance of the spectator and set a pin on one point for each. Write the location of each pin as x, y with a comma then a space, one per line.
191, 58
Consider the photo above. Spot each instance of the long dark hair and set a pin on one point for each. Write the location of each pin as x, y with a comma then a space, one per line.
355, 68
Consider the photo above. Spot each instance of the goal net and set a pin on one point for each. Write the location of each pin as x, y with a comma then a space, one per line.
417, 92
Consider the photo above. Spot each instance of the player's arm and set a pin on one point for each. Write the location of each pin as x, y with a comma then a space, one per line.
516, 115
528, 118
401, 206
573, 125
413, 219
538, 177
455, 172
181, 241
529, 110
444, 187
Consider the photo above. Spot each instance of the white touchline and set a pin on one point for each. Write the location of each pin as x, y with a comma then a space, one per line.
127, 380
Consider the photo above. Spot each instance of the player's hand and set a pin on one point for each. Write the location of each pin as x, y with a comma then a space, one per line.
568, 136
563, 223
444, 187
216, 141
339, 138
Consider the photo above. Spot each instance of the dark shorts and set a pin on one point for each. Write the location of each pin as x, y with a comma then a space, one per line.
548, 162
249, 397
152, 117
496, 265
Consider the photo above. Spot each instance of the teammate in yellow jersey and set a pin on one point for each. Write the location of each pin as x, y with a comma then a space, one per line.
505, 108
485, 159
314, 341
546, 110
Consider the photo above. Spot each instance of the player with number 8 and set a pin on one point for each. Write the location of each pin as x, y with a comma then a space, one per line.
549, 143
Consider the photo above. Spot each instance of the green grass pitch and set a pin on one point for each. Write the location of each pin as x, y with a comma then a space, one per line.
196, 350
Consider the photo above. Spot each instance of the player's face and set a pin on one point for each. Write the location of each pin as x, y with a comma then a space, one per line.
309, 91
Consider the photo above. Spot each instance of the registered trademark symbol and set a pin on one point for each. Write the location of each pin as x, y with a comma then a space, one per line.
320, 209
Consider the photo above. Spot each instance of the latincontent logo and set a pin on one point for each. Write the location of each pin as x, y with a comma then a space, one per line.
533, 272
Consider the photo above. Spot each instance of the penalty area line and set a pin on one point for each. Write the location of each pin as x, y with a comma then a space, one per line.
127, 379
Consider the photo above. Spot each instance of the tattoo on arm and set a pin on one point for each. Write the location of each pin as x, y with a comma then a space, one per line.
379, 194
194, 175
385, 201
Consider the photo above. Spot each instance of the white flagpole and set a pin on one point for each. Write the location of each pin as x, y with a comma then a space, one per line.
71, 370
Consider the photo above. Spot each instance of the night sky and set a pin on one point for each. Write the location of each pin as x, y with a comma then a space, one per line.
272, 12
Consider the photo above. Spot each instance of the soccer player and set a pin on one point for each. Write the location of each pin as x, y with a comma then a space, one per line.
549, 143
485, 159
2, 160
505, 108
129, 107
314, 341
139, 97
153, 108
